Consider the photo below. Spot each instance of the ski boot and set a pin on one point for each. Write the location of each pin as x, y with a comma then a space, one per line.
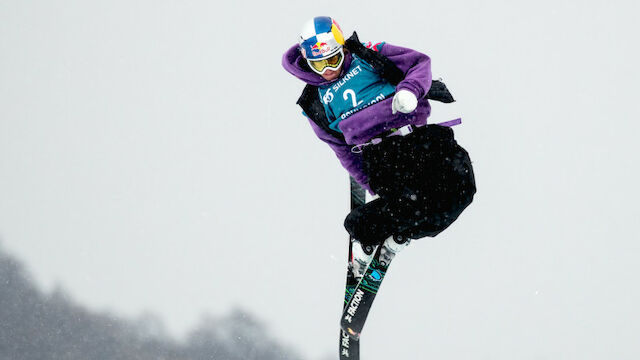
361, 256
391, 246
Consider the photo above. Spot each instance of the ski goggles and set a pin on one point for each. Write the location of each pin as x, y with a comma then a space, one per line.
332, 63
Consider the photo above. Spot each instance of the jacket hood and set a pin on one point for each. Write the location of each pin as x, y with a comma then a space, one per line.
296, 65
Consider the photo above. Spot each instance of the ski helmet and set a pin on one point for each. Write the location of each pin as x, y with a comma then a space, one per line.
321, 41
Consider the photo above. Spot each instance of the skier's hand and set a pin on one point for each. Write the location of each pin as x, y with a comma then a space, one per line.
404, 101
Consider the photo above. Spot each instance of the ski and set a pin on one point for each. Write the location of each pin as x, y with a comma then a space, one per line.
350, 348
357, 309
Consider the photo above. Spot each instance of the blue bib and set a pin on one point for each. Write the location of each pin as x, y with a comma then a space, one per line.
359, 88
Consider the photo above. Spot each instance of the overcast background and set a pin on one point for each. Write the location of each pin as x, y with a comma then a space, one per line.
152, 159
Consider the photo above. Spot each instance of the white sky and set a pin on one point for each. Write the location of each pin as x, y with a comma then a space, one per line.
152, 158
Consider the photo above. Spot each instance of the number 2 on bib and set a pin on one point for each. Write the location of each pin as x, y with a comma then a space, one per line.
348, 92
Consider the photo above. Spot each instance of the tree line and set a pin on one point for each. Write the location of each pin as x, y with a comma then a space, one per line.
39, 326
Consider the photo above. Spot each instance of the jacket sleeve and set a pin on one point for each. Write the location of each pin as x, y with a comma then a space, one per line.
351, 161
415, 65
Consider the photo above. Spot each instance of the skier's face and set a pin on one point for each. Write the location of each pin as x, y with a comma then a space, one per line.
332, 74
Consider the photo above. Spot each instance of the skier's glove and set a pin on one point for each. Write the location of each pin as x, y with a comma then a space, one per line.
404, 101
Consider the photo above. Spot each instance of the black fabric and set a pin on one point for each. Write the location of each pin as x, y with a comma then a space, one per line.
310, 103
425, 180
439, 92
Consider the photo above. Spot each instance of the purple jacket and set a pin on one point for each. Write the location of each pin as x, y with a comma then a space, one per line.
369, 122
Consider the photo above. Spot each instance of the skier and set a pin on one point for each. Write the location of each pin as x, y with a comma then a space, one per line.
369, 104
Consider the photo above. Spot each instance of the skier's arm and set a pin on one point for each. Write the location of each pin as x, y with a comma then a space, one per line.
351, 161
415, 65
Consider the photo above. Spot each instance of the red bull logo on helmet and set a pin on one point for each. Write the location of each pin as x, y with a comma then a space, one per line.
319, 48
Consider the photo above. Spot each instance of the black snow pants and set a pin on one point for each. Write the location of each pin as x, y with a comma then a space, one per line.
425, 180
